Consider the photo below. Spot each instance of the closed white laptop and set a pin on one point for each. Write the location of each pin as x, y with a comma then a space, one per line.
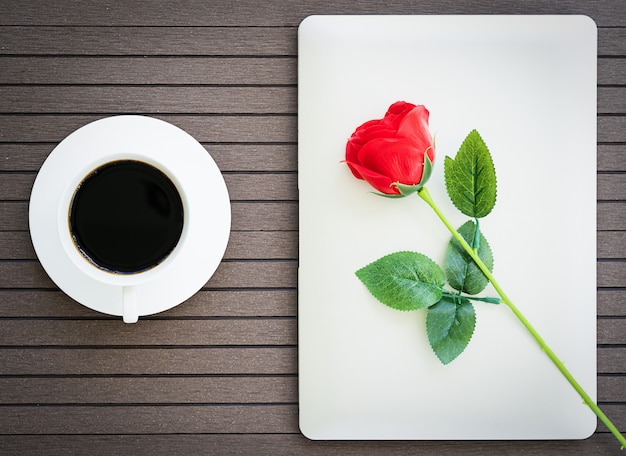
528, 85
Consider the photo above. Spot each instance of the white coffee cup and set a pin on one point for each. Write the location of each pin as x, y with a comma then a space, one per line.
205, 215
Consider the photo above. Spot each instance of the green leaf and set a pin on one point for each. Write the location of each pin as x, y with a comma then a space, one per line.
471, 178
461, 271
404, 280
450, 324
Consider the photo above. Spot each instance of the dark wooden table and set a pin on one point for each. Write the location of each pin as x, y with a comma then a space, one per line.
218, 374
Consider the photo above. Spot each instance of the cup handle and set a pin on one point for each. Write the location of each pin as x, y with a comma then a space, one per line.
130, 310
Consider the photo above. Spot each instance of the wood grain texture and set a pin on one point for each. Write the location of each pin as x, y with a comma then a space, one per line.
600, 444
278, 13
159, 70
205, 303
208, 128
149, 361
150, 390
150, 99
161, 41
142, 419
218, 374
155, 333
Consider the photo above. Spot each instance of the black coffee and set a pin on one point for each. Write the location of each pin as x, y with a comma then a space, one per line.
126, 216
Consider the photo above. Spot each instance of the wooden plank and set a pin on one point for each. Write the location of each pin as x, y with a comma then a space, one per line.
255, 274
268, 186
612, 244
612, 157
27, 157
98, 40
149, 390
155, 70
149, 361
612, 274
612, 100
208, 128
611, 359
611, 129
16, 187
611, 331
276, 13
617, 413
24, 274
611, 388
612, 42
16, 245
612, 303
246, 245
611, 70
13, 216
230, 275
148, 99
23, 157
611, 216
600, 444
213, 332
220, 303
143, 419
273, 245
265, 216
612, 187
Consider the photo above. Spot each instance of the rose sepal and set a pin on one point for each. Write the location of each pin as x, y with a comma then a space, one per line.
406, 190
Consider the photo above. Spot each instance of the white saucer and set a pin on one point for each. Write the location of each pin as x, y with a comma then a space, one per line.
206, 208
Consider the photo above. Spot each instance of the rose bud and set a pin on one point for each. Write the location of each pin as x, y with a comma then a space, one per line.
394, 154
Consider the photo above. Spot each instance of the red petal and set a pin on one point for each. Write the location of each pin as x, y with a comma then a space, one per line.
376, 180
415, 126
352, 149
355, 172
398, 159
399, 107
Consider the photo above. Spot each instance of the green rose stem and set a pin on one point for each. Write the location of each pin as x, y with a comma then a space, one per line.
425, 195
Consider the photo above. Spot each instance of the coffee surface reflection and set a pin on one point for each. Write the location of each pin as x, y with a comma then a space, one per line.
126, 217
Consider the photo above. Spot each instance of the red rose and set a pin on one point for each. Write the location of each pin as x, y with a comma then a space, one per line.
393, 150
